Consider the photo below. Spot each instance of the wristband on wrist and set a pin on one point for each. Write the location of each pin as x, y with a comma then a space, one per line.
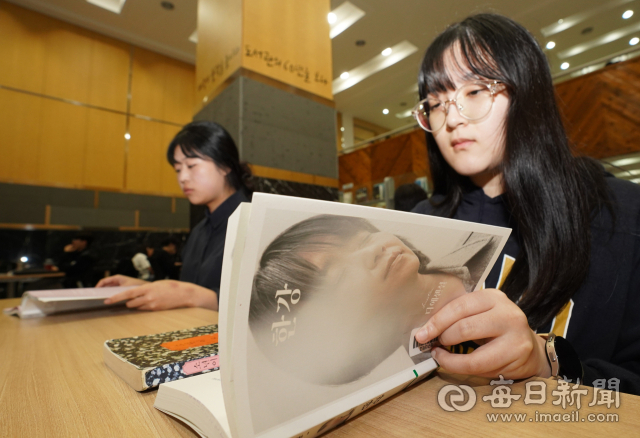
563, 359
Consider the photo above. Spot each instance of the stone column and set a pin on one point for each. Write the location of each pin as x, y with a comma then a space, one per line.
264, 72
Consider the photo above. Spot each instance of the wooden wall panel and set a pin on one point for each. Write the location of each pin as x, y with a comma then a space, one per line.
289, 43
169, 183
109, 73
104, 150
602, 110
161, 88
20, 132
47, 140
147, 168
67, 63
146, 156
23, 47
403, 157
391, 157
62, 143
355, 168
218, 53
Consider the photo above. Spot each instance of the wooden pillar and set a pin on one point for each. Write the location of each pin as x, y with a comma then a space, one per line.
264, 72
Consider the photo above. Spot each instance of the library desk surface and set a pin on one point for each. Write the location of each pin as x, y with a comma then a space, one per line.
53, 382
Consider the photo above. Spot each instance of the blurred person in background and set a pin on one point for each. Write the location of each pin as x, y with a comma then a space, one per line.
210, 174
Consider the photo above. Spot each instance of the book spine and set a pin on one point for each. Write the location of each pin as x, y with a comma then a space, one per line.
180, 370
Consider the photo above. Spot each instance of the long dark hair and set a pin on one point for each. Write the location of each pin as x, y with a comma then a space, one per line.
549, 192
206, 139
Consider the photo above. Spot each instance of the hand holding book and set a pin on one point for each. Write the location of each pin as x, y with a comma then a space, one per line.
487, 317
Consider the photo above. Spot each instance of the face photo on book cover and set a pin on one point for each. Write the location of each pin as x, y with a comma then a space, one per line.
336, 298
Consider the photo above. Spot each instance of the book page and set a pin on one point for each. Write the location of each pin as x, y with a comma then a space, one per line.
329, 298
87, 293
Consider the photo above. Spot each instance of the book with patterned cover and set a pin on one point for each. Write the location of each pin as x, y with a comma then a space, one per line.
146, 361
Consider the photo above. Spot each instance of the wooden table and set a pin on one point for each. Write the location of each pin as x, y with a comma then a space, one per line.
20, 279
53, 382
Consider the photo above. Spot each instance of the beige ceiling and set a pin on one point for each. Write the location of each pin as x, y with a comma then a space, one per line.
387, 22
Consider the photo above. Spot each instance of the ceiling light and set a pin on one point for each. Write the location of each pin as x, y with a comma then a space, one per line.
564, 65
404, 114
344, 75
399, 52
387, 51
551, 45
633, 41
385, 111
627, 14
560, 21
114, 6
609, 37
342, 128
127, 136
24, 259
331, 18
346, 14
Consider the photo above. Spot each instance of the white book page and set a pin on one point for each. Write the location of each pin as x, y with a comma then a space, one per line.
311, 352
233, 250
198, 400
87, 293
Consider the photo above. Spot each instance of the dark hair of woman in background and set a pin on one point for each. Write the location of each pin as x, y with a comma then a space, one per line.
210, 174
499, 155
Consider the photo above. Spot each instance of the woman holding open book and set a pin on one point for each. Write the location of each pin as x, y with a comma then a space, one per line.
499, 155
209, 172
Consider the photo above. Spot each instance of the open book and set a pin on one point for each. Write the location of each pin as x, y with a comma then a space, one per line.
319, 305
47, 302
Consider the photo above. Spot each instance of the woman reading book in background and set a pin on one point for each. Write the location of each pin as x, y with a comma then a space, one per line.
499, 155
209, 172
347, 268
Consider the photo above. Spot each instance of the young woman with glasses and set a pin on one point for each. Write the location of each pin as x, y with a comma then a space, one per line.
210, 174
499, 155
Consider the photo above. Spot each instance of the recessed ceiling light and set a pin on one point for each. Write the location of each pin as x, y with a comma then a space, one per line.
385, 111
344, 75
346, 14
374, 65
551, 45
560, 21
127, 136
633, 41
387, 51
114, 6
168, 6
331, 18
360, 43
342, 128
24, 259
627, 14
564, 65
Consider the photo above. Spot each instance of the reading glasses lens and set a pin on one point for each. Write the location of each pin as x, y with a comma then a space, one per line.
473, 102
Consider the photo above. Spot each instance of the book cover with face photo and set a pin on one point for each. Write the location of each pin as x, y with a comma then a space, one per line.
329, 297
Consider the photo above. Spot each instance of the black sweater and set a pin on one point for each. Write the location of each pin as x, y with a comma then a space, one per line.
202, 255
603, 317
